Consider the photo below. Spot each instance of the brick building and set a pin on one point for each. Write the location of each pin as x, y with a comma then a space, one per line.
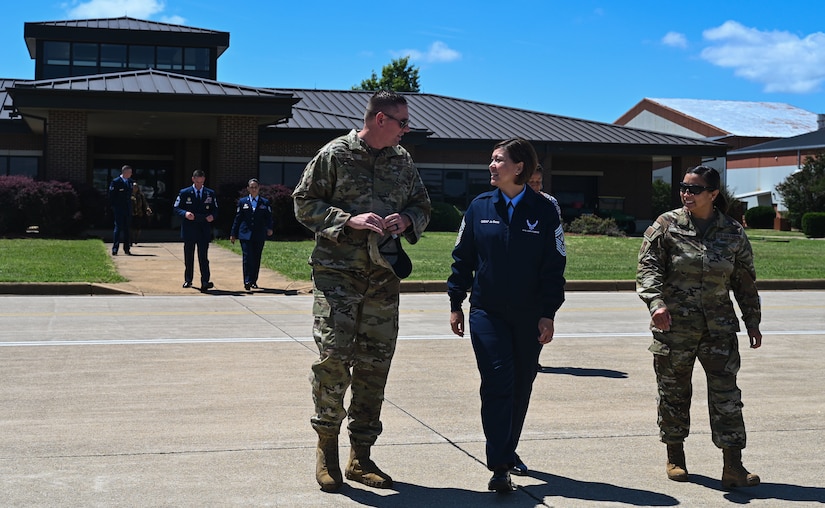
109, 92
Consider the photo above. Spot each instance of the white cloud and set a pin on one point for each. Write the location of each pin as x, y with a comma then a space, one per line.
437, 53
141, 9
675, 39
781, 61
173, 20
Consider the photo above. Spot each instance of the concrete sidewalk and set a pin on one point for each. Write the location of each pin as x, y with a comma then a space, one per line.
151, 401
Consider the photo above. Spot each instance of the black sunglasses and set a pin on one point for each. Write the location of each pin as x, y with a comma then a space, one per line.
402, 123
693, 189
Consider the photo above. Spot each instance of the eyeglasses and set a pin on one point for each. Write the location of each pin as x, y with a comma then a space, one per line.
693, 189
402, 123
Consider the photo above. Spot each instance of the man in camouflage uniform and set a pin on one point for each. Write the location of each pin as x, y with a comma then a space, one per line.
358, 188
687, 267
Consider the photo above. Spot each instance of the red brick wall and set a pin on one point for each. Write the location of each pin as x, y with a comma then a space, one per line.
67, 151
236, 150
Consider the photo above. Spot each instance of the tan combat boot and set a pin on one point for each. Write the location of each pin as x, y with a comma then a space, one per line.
734, 473
676, 468
327, 469
363, 470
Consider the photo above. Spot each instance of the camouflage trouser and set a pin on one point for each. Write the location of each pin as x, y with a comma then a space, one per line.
356, 327
674, 356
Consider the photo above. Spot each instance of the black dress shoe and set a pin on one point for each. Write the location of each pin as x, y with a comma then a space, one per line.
129, 253
114, 252
247, 285
254, 286
206, 286
187, 284
520, 468
501, 483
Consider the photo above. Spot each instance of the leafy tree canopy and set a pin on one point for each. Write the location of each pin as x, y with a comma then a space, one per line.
398, 76
804, 191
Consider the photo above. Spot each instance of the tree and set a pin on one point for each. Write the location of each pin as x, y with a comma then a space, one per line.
398, 76
804, 191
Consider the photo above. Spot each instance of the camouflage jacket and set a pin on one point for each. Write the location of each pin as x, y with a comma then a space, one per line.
345, 179
693, 275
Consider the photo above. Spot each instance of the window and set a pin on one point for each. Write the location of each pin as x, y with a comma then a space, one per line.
56, 59
63, 59
19, 165
286, 173
84, 59
141, 57
196, 62
112, 57
170, 59
455, 185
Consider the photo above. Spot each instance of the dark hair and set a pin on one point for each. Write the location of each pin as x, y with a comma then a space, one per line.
539, 170
197, 173
714, 182
520, 150
251, 181
383, 99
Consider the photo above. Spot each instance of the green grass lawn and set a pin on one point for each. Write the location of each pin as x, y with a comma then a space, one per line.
44, 260
791, 256
777, 256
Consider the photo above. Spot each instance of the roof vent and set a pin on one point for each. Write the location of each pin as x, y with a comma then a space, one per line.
820, 121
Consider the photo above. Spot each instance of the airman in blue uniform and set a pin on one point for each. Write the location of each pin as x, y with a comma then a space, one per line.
198, 205
253, 223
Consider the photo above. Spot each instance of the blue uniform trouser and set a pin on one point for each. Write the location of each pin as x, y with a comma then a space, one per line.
252, 250
507, 352
123, 218
189, 260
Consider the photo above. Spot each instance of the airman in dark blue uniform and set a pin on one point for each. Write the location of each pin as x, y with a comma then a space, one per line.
252, 224
198, 206
120, 198
510, 255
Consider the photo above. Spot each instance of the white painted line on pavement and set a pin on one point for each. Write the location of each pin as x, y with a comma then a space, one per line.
241, 340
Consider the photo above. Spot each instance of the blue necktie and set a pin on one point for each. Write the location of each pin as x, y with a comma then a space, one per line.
510, 209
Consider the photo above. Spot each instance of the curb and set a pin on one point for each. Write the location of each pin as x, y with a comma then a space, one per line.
92, 289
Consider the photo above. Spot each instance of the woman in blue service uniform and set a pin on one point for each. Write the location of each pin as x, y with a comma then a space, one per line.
252, 224
510, 255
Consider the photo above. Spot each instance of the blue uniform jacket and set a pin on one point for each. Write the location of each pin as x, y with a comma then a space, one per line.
249, 224
187, 201
120, 195
515, 268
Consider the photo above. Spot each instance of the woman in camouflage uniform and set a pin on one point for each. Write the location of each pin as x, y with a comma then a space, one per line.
689, 261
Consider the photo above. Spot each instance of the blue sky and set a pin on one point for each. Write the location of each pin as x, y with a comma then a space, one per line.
584, 59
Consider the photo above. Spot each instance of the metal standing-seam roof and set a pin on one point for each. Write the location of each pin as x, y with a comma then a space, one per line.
151, 81
111, 27
454, 119
744, 118
811, 141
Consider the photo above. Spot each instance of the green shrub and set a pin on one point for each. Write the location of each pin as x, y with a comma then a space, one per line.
813, 224
593, 225
760, 217
445, 217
